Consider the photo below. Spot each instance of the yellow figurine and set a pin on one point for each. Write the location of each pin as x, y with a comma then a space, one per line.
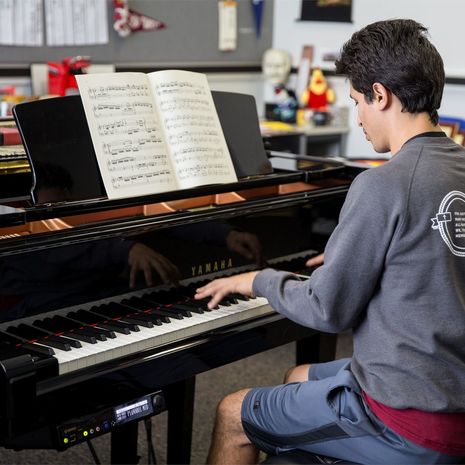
318, 94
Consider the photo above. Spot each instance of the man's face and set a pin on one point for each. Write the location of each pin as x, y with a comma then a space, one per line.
370, 119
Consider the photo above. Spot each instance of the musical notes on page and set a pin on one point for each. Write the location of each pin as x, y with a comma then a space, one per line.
127, 134
188, 115
154, 133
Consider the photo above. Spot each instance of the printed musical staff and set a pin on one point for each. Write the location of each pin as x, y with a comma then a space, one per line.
118, 91
125, 126
111, 110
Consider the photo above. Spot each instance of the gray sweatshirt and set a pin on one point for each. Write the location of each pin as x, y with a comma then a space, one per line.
394, 272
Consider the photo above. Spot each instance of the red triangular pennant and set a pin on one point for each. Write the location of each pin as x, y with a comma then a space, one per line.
140, 22
126, 21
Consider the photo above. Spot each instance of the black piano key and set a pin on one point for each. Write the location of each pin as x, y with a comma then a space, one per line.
183, 309
115, 327
239, 297
155, 319
101, 333
58, 342
72, 342
158, 321
165, 312
103, 308
139, 304
137, 321
53, 325
21, 342
170, 299
100, 321
186, 291
12, 338
27, 332
160, 297
122, 312
170, 310
113, 310
85, 317
31, 333
203, 303
90, 339
192, 306
38, 348
59, 323
90, 332
173, 299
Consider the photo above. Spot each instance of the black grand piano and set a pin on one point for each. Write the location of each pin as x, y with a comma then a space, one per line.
83, 354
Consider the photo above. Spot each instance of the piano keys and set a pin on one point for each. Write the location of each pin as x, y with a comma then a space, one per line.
101, 331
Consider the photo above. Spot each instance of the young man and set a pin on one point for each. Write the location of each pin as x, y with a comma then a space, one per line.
394, 272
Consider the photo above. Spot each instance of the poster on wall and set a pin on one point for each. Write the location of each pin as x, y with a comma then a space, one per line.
326, 10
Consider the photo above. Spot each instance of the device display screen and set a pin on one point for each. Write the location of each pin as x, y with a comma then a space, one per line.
133, 410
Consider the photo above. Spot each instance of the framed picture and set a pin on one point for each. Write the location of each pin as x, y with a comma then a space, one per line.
326, 10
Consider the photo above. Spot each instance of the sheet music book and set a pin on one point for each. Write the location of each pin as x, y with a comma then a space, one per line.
155, 132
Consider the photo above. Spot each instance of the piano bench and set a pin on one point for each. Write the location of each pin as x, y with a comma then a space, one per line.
301, 457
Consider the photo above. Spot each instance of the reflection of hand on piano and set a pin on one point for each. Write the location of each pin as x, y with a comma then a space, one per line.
145, 259
245, 244
219, 288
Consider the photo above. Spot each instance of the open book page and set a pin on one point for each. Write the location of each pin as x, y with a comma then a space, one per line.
126, 134
192, 128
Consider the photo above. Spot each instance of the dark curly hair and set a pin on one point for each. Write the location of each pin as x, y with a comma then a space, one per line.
398, 54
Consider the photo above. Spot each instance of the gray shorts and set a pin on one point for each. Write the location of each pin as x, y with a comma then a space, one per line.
327, 415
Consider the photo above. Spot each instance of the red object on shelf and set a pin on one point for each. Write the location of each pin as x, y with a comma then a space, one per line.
8, 90
61, 75
10, 136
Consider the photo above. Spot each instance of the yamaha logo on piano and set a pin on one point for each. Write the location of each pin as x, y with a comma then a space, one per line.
211, 267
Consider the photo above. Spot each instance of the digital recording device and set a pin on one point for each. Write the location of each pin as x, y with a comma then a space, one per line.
95, 424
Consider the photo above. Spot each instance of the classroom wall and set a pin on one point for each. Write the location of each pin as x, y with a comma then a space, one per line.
443, 18
189, 39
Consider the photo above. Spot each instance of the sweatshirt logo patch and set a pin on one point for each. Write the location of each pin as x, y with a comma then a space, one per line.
450, 222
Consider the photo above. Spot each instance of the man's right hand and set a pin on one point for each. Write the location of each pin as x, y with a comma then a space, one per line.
219, 288
316, 261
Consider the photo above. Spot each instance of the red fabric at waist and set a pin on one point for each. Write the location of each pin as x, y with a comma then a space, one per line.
442, 432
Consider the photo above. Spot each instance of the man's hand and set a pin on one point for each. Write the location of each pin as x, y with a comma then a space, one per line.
316, 261
245, 244
217, 289
145, 259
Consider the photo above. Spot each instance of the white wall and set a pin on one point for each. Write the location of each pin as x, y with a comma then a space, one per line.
242, 83
443, 18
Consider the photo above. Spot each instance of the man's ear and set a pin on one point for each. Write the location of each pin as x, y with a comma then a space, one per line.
381, 96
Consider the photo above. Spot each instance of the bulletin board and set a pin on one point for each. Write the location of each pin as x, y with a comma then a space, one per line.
190, 38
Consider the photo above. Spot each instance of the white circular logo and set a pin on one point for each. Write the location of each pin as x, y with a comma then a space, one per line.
450, 222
